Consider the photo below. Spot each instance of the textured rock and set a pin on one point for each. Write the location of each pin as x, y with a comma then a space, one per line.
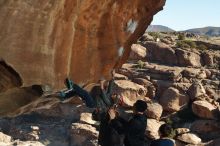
160, 52
181, 131
188, 58
208, 58
49, 40
22, 96
129, 91
189, 138
196, 90
147, 85
138, 52
87, 118
154, 111
172, 100
194, 73
83, 134
5, 138
152, 128
25, 143
215, 142
203, 109
9, 78
206, 129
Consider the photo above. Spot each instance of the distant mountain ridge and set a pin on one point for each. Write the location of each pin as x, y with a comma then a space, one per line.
209, 31
159, 28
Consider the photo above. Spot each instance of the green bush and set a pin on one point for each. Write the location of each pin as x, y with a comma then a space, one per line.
182, 44
140, 64
202, 47
181, 36
186, 44
190, 43
155, 35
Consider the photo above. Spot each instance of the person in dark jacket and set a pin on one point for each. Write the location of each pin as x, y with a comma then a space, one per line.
136, 126
164, 130
108, 132
134, 129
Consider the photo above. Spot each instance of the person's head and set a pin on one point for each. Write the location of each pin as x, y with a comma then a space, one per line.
139, 106
165, 130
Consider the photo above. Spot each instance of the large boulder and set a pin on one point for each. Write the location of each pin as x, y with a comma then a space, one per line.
15, 98
138, 52
80, 39
53, 107
147, 85
208, 58
196, 90
161, 72
5, 138
163, 85
173, 100
152, 128
83, 134
160, 52
189, 138
215, 142
206, 129
154, 110
23, 143
130, 91
203, 109
194, 73
50, 40
188, 58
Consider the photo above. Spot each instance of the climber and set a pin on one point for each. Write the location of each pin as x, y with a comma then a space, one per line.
74, 89
164, 131
98, 97
105, 98
133, 130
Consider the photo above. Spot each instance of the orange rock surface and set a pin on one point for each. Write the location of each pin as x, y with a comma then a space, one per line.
45, 41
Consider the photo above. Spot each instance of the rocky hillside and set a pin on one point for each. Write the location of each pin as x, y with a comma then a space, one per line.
209, 31
177, 76
159, 28
185, 74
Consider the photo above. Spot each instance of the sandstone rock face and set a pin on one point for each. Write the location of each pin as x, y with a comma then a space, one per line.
45, 41
189, 138
188, 58
138, 52
83, 134
196, 90
5, 138
160, 52
147, 85
203, 109
206, 129
9, 78
152, 128
154, 110
172, 100
14, 98
180, 131
208, 58
129, 91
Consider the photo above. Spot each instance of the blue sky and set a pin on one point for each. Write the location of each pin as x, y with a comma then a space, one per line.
186, 14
